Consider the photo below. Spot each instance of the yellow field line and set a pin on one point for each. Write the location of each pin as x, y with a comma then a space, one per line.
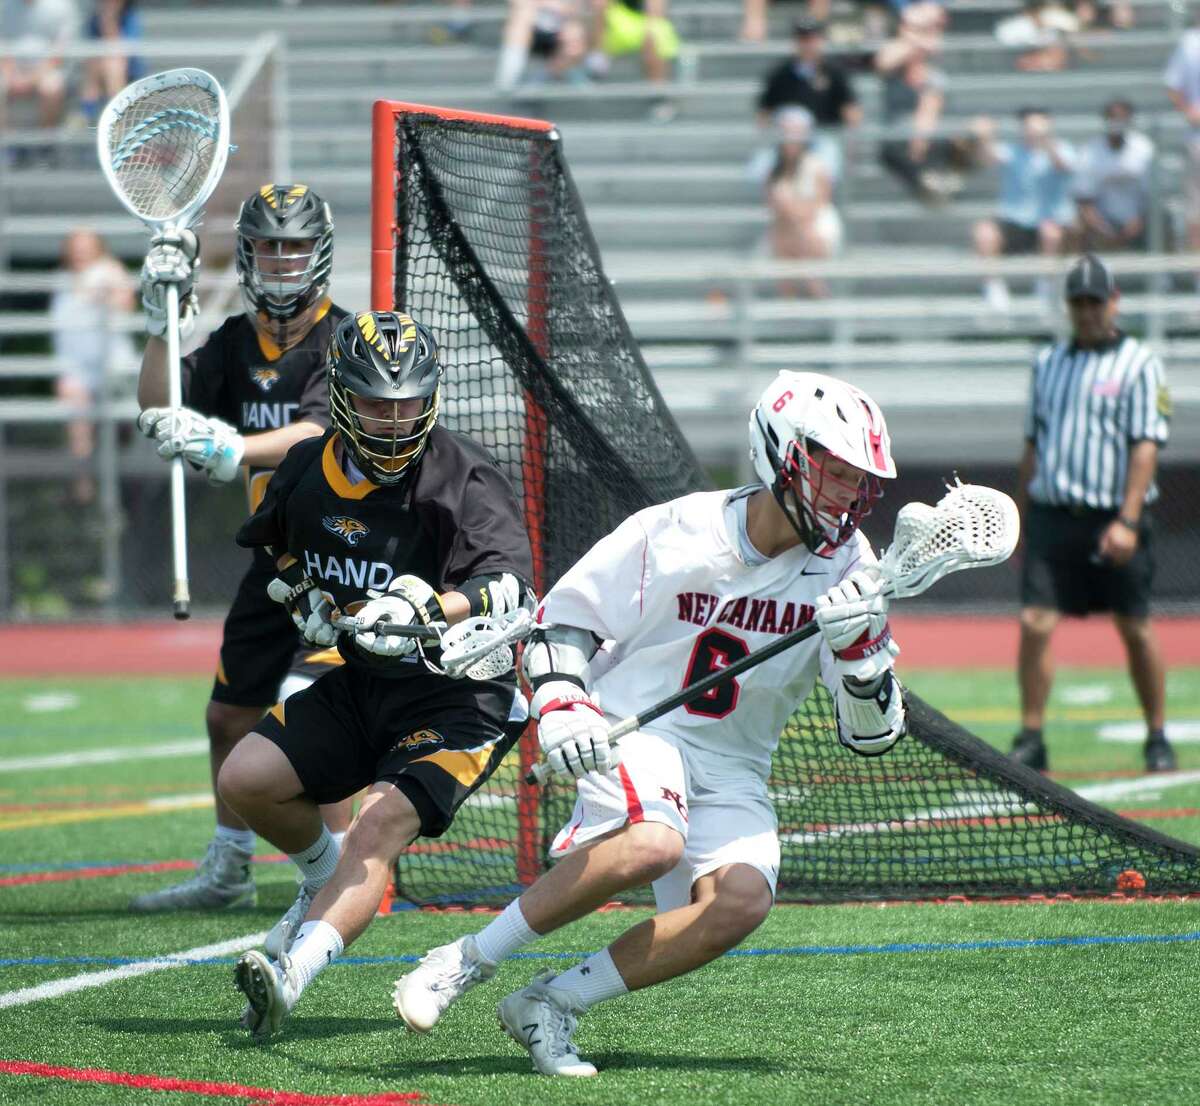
39, 819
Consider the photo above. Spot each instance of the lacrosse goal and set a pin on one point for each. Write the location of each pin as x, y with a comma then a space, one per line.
478, 231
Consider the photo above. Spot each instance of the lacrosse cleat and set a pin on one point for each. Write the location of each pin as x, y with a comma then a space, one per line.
270, 992
222, 882
444, 975
283, 932
541, 1019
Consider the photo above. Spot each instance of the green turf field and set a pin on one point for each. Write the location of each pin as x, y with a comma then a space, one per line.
1089, 1002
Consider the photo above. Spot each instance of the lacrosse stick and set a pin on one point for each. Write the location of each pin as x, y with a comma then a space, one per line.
478, 648
162, 143
971, 527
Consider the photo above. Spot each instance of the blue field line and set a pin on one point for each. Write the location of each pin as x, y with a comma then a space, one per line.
1001, 944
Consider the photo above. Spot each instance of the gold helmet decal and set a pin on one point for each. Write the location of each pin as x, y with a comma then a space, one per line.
293, 193
370, 332
350, 530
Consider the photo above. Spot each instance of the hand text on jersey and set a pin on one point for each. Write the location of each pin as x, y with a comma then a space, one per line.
267, 416
350, 572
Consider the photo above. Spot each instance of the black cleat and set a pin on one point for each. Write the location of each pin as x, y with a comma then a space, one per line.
1160, 757
1029, 750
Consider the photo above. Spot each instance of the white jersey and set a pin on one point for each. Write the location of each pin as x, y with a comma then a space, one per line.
673, 599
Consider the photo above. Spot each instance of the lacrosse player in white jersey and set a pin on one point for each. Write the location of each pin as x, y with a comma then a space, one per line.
674, 593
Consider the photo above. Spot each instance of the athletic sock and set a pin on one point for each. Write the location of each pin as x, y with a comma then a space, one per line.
502, 937
1030, 733
339, 837
244, 839
317, 862
593, 981
1155, 736
317, 946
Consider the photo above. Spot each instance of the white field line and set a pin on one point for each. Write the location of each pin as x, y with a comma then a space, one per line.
56, 988
191, 747
997, 806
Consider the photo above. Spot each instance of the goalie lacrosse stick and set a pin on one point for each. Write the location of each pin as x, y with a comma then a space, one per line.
162, 143
972, 526
478, 648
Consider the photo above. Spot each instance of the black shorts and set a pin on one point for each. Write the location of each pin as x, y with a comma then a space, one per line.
1062, 569
544, 43
261, 646
435, 738
1016, 238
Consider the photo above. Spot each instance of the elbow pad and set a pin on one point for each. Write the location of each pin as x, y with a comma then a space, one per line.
870, 723
496, 593
559, 654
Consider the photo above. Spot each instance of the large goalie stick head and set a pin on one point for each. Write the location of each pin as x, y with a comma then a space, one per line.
163, 142
971, 526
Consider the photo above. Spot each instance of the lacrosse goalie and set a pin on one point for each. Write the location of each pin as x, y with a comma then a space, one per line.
676, 592
390, 504
251, 391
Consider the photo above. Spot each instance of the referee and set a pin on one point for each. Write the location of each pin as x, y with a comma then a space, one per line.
1097, 417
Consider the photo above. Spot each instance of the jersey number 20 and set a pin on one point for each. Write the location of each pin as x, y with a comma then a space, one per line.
714, 650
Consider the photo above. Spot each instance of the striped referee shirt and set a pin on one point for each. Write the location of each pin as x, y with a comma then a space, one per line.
1087, 408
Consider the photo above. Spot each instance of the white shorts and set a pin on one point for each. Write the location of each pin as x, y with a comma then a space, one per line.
657, 781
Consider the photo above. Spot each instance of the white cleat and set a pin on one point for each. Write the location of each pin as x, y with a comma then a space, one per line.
283, 932
541, 1019
270, 993
223, 882
444, 975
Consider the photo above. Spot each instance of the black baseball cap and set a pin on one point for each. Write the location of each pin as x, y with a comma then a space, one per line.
807, 25
1090, 277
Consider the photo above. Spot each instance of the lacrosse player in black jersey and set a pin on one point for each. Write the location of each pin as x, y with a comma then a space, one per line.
251, 391
388, 504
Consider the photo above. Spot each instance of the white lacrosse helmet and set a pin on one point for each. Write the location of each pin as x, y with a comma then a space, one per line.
800, 418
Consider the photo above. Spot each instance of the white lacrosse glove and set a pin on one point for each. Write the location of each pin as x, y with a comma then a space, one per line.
173, 258
408, 601
309, 606
209, 444
572, 730
852, 616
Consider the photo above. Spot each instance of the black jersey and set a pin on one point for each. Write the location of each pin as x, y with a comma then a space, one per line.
254, 386
458, 518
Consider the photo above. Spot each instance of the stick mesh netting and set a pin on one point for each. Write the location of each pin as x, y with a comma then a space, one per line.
482, 236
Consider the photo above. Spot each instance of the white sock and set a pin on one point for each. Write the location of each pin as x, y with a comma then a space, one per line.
505, 935
244, 839
339, 837
509, 67
317, 862
317, 946
593, 981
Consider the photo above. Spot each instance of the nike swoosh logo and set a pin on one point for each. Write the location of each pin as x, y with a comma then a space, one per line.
805, 572
320, 854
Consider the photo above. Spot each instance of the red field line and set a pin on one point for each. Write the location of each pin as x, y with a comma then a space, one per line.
169, 648
94, 873
199, 1087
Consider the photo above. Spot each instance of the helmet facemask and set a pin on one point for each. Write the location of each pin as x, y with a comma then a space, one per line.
385, 445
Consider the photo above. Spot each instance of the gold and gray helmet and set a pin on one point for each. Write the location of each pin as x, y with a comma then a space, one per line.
284, 251
388, 356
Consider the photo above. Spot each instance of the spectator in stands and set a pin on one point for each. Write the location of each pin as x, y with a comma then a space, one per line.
551, 30
34, 33
1112, 189
621, 27
913, 97
1041, 31
805, 223
112, 22
1035, 197
86, 315
809, 80
1183, 87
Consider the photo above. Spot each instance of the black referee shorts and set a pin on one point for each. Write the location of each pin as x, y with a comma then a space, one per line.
260, 646
435, 738
1062, 569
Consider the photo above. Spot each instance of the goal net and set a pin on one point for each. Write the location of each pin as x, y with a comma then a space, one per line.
478, 231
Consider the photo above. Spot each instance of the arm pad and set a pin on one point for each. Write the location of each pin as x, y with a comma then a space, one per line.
559, 653
871, 718
495, 593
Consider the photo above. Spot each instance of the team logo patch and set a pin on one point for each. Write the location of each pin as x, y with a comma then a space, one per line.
350, 530
1164, 402
418, 739
266, 377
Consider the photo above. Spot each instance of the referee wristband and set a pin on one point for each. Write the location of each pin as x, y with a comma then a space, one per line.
1129, 523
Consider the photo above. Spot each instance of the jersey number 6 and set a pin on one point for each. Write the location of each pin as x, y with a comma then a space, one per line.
714, 650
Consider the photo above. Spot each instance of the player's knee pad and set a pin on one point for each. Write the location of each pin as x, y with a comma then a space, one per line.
870, 725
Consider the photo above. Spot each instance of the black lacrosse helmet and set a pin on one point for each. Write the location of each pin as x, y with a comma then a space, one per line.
284, 252
383, 355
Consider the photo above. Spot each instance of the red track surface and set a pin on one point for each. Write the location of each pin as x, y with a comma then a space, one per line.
169, 648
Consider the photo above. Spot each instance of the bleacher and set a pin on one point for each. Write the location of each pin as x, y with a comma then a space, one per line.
679, 221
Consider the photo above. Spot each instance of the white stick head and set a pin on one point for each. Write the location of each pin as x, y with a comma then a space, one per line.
972, 526
163, 142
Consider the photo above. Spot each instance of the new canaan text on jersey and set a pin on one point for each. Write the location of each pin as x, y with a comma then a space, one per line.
766, 616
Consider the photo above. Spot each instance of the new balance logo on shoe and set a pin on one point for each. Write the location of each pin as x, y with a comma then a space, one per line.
530, 1030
